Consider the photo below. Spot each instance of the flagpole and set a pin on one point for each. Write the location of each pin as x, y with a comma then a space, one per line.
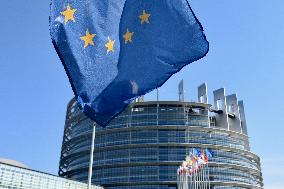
158, 95
178, 180
203, 177
195, 186
198, 179
208, 178
91, 157
186, 180
191, 182
208, 172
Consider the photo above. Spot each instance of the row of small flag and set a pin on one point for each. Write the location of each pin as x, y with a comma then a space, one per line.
195, 161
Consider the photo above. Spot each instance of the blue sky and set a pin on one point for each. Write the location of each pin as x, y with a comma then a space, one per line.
246, 56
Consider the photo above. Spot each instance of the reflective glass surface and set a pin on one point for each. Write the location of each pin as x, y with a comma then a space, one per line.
144, 145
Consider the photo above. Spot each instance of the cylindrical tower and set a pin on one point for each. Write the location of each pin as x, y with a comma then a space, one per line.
144, 145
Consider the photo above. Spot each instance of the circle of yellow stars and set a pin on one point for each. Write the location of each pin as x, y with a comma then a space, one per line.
69, 15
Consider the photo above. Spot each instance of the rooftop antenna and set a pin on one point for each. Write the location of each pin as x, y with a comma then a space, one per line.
140, 99
158, 95
202, 93
181, 91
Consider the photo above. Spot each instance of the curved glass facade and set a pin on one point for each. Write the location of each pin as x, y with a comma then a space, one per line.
144, 145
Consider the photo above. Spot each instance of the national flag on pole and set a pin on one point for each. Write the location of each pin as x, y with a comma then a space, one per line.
204, 158
197, 152
209, 153
116, 50
200, 162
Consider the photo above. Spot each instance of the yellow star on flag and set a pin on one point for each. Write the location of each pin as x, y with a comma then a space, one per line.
144, 17
88, 39
128, 36
109, 45
69, 14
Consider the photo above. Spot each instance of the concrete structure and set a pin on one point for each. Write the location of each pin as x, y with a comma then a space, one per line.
16, 175
145, 144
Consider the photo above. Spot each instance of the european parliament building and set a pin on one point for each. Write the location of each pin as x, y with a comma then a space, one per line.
143, 146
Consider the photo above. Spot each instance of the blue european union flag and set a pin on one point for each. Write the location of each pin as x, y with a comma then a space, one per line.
209, 153
197, 152
116, 50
